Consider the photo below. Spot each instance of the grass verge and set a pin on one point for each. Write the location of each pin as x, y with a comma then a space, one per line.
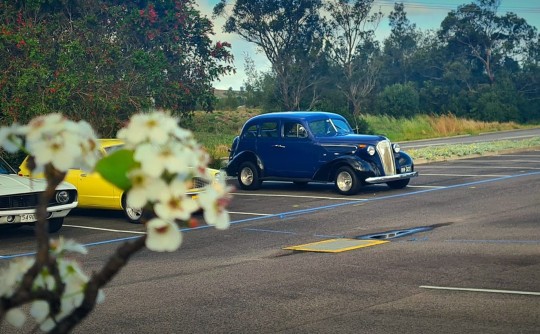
460, 151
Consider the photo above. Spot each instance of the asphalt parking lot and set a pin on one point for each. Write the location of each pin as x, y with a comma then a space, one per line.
461, 254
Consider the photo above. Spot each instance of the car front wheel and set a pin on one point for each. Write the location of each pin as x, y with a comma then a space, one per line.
248, 178
346, 181
133, 215
55, 224
398, 184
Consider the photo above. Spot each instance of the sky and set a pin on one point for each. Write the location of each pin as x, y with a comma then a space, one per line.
426, 14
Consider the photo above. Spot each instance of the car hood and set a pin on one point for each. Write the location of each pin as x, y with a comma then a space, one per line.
352, 139
15, 184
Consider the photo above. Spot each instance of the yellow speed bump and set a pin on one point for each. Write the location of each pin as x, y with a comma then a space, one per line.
335, 245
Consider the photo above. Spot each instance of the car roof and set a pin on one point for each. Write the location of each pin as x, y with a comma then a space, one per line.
306, 115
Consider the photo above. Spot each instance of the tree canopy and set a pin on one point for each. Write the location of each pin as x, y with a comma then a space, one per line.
103, 60
480, 63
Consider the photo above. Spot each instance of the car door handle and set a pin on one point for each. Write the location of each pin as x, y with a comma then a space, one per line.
279, 146
83, 175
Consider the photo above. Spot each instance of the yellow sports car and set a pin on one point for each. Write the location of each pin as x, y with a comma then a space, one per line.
95, 192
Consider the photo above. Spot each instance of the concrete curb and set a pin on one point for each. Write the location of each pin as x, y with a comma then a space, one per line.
487, 154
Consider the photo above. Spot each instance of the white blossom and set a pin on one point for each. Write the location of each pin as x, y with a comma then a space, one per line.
16, 317
163, 236
39, 310
213, 201
10, 139
173, 203
61, 245
144, 188
11, 275
153, 127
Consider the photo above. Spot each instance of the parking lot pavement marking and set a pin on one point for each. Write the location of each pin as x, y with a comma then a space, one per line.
464, 175
335, 245
483, 167
249, 213
506, 160
481, 290
433, 187
301, 196
104, 229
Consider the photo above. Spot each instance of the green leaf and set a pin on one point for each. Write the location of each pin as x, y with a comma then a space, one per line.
114, 168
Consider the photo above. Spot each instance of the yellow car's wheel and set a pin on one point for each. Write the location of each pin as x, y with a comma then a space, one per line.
133, 215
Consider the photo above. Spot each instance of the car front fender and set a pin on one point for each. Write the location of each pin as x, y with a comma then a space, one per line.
327, 171
403, 159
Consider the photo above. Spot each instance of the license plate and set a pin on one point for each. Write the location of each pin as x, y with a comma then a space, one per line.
406, 169
28, 218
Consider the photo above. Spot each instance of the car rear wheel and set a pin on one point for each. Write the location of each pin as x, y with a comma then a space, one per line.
55, 224
346, 181
248, 178
133, 215
398, 184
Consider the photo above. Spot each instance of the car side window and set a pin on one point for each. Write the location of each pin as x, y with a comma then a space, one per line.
269, 130
294, 130
318, 128
250, 132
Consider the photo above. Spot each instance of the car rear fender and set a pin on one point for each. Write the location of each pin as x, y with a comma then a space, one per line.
237, 160
328, 170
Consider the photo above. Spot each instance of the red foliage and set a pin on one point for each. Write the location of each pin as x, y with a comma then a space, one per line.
21, 44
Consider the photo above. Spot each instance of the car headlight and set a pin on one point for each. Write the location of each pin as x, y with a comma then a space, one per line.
62, 197
370, 150
219, 177
396, 148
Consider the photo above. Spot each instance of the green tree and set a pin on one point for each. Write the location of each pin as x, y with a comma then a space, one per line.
487, 39
353, 49
398, 100
103, 60
290, 33
399, 47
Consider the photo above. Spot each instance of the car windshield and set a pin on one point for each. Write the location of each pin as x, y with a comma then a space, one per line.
5, 168
114, 148
330, 127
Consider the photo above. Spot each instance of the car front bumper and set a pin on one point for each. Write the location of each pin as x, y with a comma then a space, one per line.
27, 216
396, 177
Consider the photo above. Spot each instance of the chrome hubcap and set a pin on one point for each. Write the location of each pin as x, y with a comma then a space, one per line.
246, 175
134, 213
344, 181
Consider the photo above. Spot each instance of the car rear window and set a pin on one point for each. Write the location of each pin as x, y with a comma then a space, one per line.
269, 129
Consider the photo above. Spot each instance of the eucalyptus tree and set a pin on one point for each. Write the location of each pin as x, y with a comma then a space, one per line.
290, 33
103, 60
353, 49
399, 48
485, 38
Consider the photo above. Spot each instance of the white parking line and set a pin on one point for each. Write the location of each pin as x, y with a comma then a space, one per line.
301, 196
250, 213
483, 167
481, 290
505, 160
433, 187
104, 229
464, 175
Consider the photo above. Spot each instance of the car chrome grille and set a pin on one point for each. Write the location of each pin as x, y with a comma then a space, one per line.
29, 201
23, 201
387, 157
199, 182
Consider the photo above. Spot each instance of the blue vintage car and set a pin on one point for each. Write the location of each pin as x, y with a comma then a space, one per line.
315, 146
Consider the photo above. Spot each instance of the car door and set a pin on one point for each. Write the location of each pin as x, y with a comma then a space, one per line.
298, 152
93, 190
270, 148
